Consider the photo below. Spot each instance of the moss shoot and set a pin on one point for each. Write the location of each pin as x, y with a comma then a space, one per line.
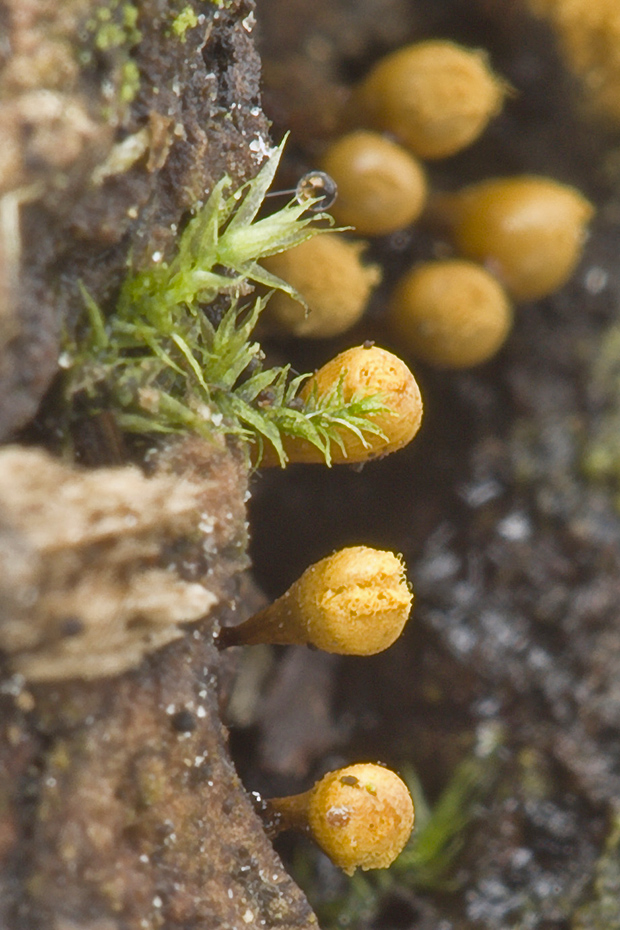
162, 362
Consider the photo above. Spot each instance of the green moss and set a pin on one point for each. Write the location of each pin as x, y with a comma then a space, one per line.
109, 35
163, 363
185, 20
112, 32
115, 26
602, 912
601, 453
429, 859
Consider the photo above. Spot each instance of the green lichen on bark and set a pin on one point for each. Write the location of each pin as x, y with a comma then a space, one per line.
183, 21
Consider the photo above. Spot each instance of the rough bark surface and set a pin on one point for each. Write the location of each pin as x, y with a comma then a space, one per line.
119, 805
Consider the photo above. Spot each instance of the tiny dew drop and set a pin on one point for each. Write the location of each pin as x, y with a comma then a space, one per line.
316, 186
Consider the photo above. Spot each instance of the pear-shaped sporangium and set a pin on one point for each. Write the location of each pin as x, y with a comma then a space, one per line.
435, 97
361, 372
361, 816
354, 602
527, 230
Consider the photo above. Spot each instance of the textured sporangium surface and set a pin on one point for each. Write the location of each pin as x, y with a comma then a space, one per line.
511, 534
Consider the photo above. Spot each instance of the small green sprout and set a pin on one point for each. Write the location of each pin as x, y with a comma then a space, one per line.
167, 361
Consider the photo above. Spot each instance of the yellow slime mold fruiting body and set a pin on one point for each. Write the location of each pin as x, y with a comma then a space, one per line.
328, 273
363, 371
451, 314
381, 187
361, 816
354, 602
435, 97
526, 230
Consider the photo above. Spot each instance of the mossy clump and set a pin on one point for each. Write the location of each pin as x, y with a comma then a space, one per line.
162, 362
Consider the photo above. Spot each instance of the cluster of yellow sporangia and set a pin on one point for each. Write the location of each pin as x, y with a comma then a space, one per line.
516, 238
354, 602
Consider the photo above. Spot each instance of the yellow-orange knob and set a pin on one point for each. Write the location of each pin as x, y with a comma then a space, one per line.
381, 187
354, 602
435, 97
329, 274
452, 314
527, 230
361, 372
361, 816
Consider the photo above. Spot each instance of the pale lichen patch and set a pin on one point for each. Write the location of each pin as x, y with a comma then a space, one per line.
86, 590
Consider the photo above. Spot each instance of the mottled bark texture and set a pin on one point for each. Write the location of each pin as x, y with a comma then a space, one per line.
119, 805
